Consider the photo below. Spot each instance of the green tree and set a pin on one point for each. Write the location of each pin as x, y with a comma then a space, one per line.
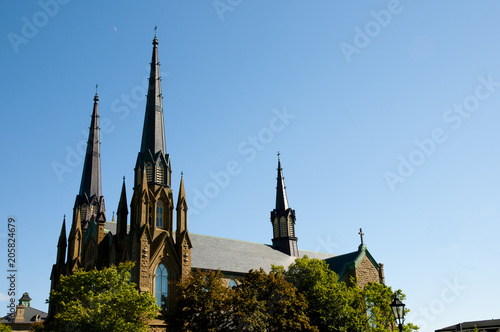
271, 303
332, 306
102, 300
203, 303
261, 302
38, 327
5, 328
377, 298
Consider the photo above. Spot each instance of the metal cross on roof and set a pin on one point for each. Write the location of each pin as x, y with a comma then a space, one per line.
361, 235
156, 27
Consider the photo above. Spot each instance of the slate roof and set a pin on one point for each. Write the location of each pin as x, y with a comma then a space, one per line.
342, 263
25, 297
29, 316
215, 253
492, 324
238, 257
110, 226
337, 263
229, 255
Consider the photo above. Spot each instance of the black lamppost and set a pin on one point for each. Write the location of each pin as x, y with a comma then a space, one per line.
398, 309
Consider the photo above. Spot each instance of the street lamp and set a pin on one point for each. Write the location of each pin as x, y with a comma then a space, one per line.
398, 309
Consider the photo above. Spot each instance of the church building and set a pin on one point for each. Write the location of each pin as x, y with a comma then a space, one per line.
144, 230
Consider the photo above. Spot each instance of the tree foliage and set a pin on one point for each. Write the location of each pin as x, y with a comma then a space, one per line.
333, 306
377, 298
305, 297
5, 328
261, 302
102, 300
37, 327
276, 303
203, 303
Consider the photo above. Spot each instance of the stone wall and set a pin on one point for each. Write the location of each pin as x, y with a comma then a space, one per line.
366, 272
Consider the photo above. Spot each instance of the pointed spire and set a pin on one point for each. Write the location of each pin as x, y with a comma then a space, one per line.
74, 242
153, 134
61, 246
182, 192
91, 176
122, 204
122, 213
281, 199
183, 241
181, 210
62, 236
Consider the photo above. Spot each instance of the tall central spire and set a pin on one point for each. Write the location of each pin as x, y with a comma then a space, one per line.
153, 157
153, 134
91, 176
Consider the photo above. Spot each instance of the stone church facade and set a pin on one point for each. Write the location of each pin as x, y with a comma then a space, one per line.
145, 234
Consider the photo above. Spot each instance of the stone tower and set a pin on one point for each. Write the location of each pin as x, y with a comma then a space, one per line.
162, 254
85, 245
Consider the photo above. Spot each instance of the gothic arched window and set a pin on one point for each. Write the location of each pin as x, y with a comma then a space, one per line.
159, 214
161, 286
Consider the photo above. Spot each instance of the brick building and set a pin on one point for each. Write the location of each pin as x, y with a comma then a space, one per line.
25, 316
145, 234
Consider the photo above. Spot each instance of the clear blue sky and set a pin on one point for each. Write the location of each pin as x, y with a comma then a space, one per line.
386, 115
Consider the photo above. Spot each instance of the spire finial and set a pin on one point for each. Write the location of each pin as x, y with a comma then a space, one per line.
279, 155
124, 178
155, 40
182, 174
96, 97
361, 235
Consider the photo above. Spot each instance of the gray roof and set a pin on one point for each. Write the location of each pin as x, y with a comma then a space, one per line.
215, 253
228, 255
